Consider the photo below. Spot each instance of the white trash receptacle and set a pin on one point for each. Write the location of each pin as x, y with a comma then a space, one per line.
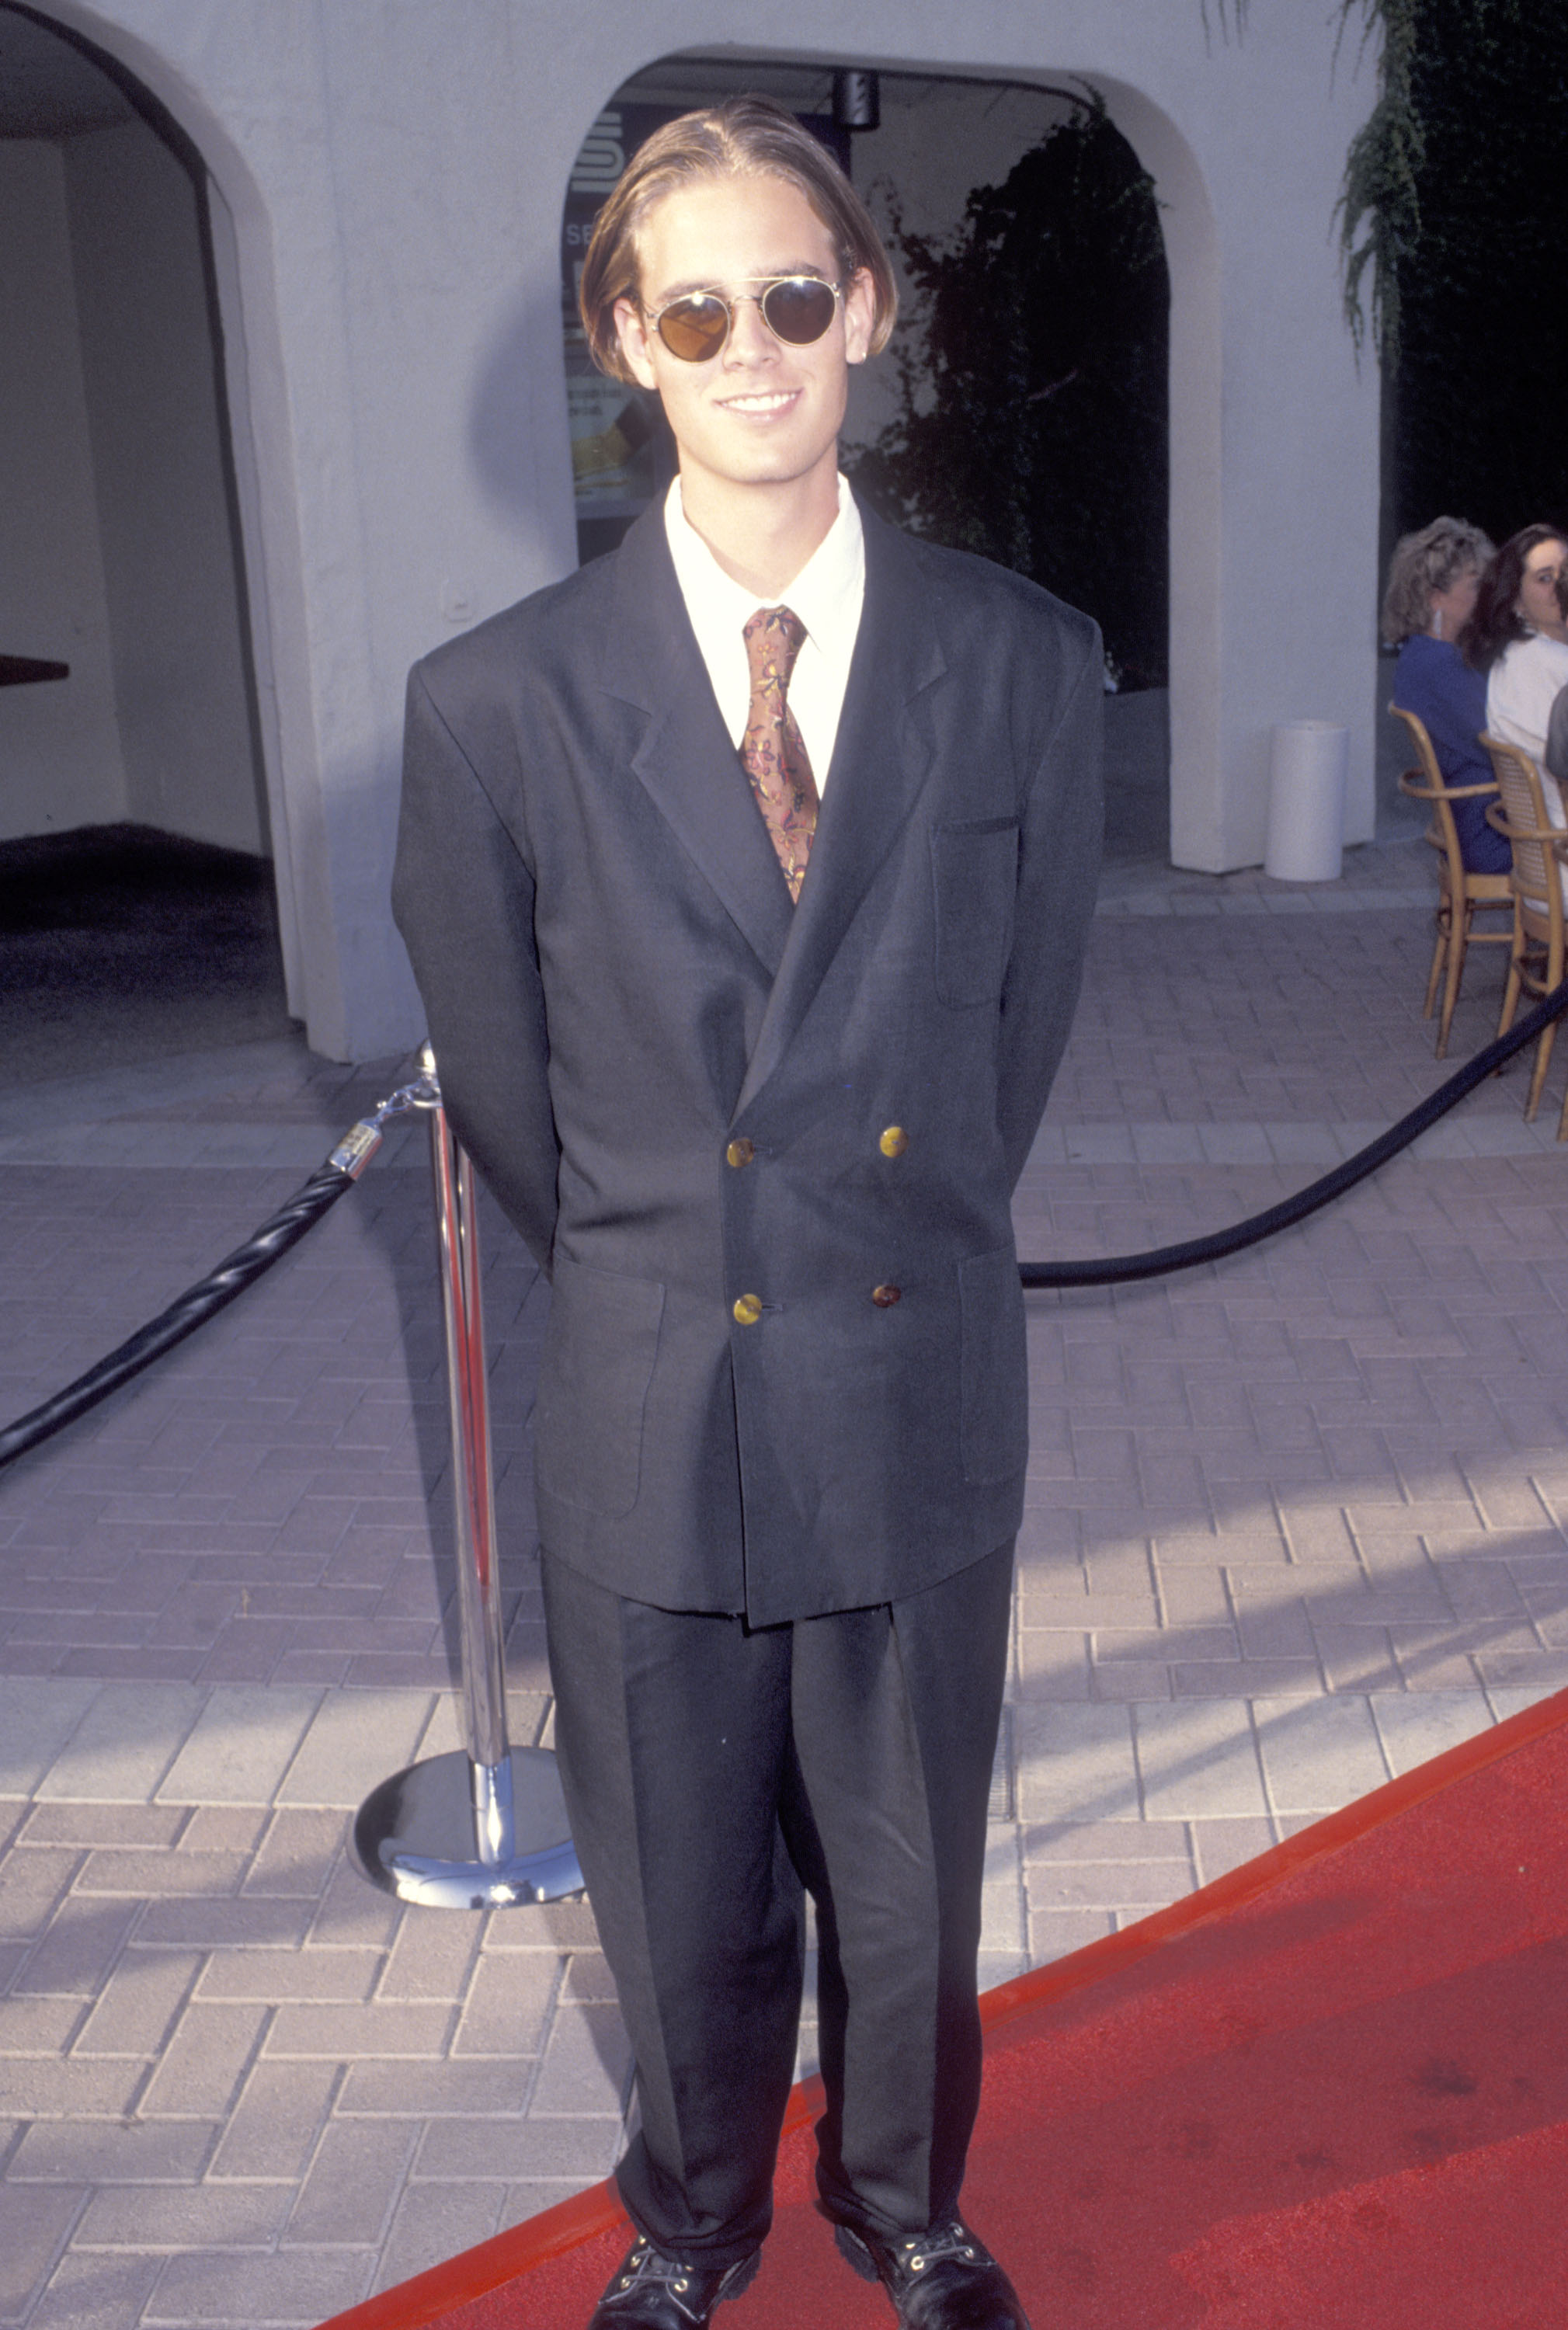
1306, 767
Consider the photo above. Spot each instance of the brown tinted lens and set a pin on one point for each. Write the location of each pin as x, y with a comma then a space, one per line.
695, 328
799, 309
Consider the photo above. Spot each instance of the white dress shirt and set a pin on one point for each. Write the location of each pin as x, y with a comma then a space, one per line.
827, 595
1521, 689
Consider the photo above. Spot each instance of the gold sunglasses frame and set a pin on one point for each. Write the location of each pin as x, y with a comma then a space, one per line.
653, 319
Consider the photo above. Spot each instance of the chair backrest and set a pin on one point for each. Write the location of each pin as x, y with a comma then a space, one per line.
1537, 869
1445, 832
1423, 745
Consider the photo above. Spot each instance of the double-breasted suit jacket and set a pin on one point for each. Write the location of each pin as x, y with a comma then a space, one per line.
687, 1092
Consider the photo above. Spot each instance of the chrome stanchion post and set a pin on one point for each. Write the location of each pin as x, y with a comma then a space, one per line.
486, 1827
473, 1494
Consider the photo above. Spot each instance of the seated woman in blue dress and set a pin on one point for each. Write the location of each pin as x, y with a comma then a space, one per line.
1432, 579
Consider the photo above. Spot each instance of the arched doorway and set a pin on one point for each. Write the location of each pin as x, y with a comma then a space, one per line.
998, 200
134, 818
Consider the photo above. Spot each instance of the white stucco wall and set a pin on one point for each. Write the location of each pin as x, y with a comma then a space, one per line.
60, 755
163, 529
394, 175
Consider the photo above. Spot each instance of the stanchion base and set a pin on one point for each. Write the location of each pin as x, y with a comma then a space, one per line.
413, 1836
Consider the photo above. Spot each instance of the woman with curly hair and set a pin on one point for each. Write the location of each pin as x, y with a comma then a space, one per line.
1432, 580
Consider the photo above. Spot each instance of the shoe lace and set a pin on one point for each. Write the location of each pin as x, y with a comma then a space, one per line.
952, 2244
648, 2268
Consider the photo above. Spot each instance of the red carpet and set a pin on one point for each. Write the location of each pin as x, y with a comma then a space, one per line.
1330, 2090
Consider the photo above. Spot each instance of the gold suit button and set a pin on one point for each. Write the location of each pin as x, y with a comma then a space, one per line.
740, 1152
893, 1141
748, 1310
884, 1297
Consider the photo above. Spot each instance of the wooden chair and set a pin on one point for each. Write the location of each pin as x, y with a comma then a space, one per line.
1459, 892
1540, 852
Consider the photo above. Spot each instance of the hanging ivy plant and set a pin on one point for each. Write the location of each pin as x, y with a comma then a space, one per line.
1379, 208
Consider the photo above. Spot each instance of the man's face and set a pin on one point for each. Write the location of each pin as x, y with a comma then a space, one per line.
759, 412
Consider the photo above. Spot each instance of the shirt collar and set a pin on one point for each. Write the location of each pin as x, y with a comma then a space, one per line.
833, 575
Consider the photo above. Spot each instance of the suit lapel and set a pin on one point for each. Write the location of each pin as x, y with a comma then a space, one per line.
880, 761
686, 759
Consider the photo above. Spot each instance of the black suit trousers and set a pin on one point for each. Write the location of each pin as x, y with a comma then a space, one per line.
716, 1772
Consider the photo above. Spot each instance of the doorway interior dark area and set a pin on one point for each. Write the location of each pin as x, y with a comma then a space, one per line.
119, 945
137, 908
1022, 409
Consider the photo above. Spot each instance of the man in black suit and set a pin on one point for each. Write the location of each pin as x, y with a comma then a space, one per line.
746, 875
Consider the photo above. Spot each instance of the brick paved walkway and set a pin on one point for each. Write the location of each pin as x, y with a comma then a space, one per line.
1295, 1522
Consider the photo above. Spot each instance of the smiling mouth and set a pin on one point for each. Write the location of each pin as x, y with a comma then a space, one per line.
773, 400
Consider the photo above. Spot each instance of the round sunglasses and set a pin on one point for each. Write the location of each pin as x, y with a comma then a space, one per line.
796, 308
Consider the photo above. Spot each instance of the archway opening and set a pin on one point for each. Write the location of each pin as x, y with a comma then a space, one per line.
138, 910
1023, 409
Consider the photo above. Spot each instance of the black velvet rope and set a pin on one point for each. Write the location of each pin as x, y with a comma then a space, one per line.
233, 1274
288, 1225
1120, 1269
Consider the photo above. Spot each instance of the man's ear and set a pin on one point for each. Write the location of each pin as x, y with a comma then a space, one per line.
859, 316
632, 333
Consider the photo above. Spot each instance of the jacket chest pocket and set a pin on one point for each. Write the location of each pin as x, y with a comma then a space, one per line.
975, 875
600, 1349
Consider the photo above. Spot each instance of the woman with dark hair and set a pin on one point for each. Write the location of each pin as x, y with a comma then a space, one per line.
1433, 580
1518, 637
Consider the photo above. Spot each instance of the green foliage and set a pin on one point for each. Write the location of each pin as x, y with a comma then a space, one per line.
1461, 179
1379, 208
1032, 385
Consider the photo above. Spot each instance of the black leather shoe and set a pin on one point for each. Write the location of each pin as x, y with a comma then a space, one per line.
940, 2279
653, 2292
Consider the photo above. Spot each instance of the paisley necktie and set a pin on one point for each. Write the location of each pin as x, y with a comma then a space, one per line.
772, 753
